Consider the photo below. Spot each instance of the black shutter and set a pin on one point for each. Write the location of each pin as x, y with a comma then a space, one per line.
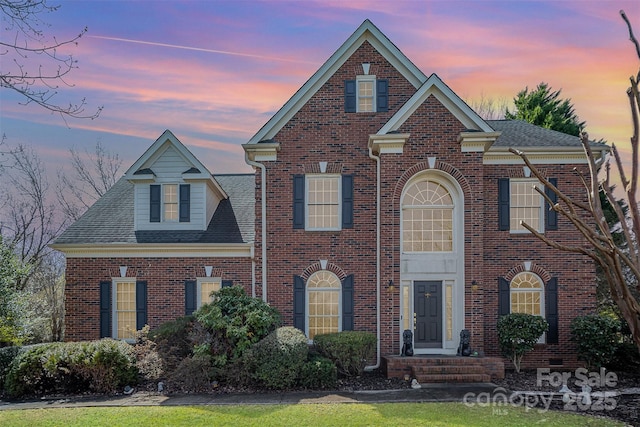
504, 298
503, 204
154, 203
382, 95
185, 202
551, 302
350, 96
551, 221
298, 201
190, 297
298, 302
227, 283
347, 201
141, 304
105, 309
347, 303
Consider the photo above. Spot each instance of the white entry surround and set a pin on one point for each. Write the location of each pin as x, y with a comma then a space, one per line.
444, 267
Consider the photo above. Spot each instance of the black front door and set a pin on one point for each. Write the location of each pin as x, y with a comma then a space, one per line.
427, 300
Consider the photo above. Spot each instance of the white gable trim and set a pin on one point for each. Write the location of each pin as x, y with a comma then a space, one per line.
365, 32
436, 87
160, 145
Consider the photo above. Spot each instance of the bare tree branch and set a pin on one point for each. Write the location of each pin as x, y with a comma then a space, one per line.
37, 81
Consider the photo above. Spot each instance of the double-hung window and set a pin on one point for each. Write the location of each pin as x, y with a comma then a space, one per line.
519, 201
366, 94
323, 202
170, 203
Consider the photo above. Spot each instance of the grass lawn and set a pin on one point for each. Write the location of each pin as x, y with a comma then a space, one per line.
383, 414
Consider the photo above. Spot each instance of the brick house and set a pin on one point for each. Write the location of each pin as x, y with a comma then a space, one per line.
380, 202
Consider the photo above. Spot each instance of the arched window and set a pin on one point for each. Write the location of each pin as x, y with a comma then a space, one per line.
427, 218
323, 296
527, 294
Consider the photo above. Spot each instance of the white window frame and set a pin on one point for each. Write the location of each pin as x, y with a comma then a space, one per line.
540, 290
541, 216
200, 281
165, 203
366, 78
114, 307
406, 208
306, 297
309, 177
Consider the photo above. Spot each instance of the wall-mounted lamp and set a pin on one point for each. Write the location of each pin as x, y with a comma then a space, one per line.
123, 271
390, 286
474, 285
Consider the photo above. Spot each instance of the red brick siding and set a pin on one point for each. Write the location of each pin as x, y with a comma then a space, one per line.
165, 287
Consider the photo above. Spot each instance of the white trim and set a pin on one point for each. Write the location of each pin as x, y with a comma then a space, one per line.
114, 305
436, 87
370, 78
155, 250
365, 32
199, 281
338, 178
541, 208
543, 314
306, 299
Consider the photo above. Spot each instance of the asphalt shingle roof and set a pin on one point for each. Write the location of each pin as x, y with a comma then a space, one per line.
518, 133
110, 219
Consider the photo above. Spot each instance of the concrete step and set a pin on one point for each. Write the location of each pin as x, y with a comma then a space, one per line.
448, 370
453, 378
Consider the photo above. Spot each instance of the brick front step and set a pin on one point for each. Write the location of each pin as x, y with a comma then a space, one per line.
453, 378
441, 368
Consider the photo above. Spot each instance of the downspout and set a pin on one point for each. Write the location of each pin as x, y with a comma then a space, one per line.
253, 270
263, 178
378, 358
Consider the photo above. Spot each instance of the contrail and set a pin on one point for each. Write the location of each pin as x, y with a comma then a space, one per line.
199, 49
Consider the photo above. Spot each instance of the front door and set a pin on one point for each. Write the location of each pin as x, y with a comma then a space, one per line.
427, 300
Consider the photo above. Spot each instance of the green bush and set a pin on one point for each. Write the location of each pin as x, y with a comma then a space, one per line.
518, 333
277, 360
349, 350
173, 342
318, 372
233, 322
7, 354
99, 366
596, 337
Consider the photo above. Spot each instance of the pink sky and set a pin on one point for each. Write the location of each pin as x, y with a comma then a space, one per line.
213, 72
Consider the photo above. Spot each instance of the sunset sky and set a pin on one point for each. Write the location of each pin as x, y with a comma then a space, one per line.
213, 72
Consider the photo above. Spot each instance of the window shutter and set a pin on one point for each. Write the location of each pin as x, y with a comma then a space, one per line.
350, 96
227, 283
190, 297
154, 203
551, 221
382, 95
141, 304
347, 303
298, 302
105, 309
503, 204
298, 201
504, 299
185, 202
551, 302
347, 201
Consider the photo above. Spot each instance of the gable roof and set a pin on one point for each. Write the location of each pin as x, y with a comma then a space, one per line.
142, 168
365, 32
110, 219
436, 87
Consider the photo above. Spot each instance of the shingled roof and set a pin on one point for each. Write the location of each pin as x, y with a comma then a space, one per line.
520, 134
110, 219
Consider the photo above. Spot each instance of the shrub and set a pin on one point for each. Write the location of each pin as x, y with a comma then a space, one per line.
172, 341
276, 361
234, 321
518, 333
318, 372
7, 354
193, 374
596, 337
349, 350
148, 360
100, 366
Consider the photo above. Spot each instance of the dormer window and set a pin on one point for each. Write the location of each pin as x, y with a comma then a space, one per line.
170, 203
366, 94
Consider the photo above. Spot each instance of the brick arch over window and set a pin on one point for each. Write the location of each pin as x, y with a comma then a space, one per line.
424, 166
535, 268
335, 269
